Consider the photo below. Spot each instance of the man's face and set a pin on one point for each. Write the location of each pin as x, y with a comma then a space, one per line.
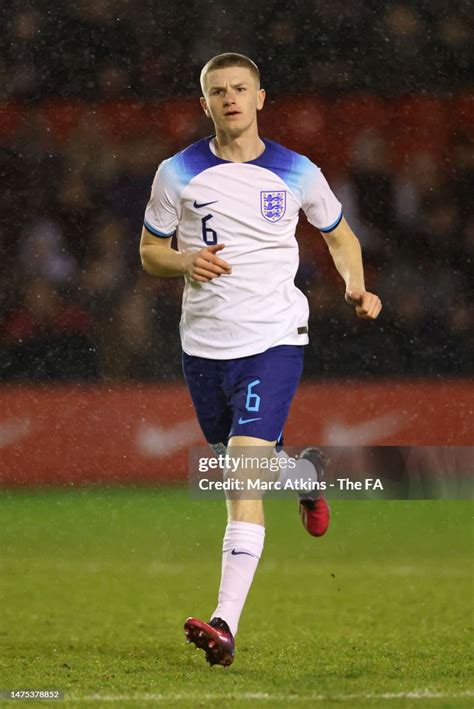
232, 99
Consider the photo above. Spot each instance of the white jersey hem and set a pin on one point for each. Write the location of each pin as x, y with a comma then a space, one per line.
245, 351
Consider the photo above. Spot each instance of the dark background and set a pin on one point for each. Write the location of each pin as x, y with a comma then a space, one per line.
94, 95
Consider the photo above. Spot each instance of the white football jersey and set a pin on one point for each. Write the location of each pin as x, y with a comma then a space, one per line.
253, 209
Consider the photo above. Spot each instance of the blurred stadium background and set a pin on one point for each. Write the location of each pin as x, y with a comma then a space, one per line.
94, 95
95, 579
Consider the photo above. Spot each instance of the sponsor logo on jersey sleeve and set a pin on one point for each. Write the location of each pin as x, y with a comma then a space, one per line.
273, 205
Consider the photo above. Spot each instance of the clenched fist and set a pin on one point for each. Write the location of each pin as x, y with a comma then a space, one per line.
367, 305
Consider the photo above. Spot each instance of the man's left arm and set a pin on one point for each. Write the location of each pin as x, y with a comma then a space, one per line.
346, 253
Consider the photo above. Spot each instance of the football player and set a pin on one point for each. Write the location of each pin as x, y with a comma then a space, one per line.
233, 201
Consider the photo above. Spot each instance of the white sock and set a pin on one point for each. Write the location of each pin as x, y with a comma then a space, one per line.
241, 552
303, 470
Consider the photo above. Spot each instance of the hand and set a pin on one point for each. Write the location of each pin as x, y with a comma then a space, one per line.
204, 265
367, 305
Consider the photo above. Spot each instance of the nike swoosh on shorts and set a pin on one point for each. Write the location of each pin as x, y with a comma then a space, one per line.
241, 420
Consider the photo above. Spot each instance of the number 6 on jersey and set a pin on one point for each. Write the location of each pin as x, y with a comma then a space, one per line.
209, 235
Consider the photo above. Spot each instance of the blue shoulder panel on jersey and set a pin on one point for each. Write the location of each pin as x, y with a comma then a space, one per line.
191, 161
294, 169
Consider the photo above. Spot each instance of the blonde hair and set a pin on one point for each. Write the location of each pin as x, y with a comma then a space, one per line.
222, 61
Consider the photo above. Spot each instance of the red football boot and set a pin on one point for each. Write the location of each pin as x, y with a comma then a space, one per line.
314, 510
214, 638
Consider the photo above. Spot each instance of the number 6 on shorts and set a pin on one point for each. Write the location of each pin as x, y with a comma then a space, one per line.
252, 402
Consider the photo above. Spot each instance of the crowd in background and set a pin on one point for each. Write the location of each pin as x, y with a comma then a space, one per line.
117, 48
74, 302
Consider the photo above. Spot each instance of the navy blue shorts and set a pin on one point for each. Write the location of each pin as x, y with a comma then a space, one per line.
248, 396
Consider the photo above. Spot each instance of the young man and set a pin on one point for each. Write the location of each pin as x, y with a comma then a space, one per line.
244, 323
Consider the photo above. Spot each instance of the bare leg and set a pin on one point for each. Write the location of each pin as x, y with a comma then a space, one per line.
248, 510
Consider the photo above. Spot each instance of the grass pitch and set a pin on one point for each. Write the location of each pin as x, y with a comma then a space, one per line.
96, 584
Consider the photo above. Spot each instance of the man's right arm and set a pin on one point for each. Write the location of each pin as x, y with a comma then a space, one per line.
159, 259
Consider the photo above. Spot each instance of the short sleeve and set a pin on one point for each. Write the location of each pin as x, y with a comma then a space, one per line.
322, 208
161, 214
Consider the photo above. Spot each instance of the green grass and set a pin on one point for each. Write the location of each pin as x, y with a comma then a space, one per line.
96, 584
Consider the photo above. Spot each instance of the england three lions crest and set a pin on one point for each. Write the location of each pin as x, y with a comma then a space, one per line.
273, 205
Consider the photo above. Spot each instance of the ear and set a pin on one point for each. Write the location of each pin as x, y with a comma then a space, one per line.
260, 99
204, 106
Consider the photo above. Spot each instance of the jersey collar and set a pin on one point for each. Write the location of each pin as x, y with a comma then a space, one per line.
221, 161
